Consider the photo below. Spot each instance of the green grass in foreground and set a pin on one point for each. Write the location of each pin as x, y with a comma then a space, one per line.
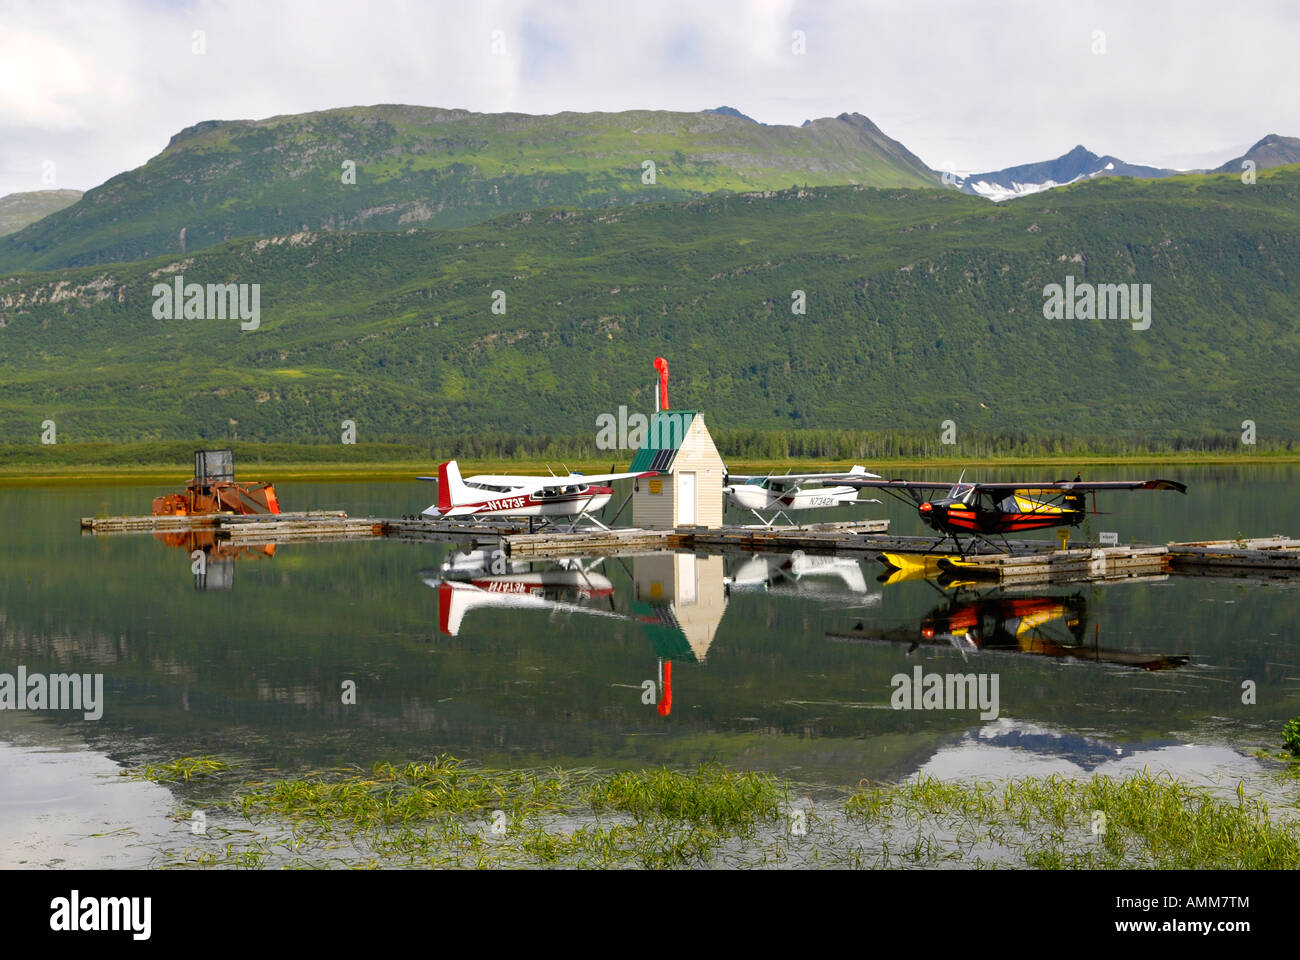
184, 768
445, 814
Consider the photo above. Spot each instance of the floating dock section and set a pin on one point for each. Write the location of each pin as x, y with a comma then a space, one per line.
1275, 556
1062, 566
1028, 561
179, 523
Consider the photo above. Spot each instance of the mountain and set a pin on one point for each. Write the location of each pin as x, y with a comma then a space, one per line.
17, 210
922, 306
429, 167
732, 112
1079, 164
1272, 151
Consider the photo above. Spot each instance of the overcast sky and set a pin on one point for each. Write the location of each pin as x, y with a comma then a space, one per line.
90, 89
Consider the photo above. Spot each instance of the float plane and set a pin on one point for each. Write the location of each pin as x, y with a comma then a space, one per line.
476, 579
799, 573
500, 495
780, 492
983, 510
1048, 625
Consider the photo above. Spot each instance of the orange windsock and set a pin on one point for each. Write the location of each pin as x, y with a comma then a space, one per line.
662, 366
666, 701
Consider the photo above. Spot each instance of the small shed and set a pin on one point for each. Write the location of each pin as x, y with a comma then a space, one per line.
688, 492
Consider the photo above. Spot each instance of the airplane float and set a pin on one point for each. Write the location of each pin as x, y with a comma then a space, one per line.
502, 495
799, 573
777, 493
982, 510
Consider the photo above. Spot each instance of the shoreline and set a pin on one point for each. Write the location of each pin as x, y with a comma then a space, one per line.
289, 471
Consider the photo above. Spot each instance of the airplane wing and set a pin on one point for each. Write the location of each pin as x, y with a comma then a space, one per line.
1027, 486
1086, 485
605, 477
801, 477
533, 482
901, 484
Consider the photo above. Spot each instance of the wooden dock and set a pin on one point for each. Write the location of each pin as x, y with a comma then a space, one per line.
1275, 556
223, 521
308, 525
512, 537
1064, 566
1029, 561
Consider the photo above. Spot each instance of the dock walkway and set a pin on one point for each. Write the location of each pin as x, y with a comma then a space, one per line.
1029, 561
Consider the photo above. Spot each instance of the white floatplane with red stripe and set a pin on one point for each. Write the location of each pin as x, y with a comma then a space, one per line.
500, 495
475, 579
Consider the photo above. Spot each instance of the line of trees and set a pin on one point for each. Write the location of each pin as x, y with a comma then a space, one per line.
829, 444
735, 445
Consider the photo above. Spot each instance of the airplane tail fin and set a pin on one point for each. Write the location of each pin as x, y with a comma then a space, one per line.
861, 471
452, 491
453, 602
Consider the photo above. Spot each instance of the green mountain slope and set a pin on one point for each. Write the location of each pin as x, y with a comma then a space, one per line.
1272, 151
922, 306
17, 210
427, 167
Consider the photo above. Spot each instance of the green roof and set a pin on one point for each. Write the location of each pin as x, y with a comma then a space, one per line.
663, 439
665, 633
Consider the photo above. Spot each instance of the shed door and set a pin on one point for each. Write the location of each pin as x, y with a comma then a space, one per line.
687, 589
686, 499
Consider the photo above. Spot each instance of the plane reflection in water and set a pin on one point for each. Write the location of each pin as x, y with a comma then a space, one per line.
677, 599
212, 561
686, 592
1049, 625
476, 579
804, 575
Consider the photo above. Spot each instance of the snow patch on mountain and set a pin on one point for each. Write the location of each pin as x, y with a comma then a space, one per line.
997, 192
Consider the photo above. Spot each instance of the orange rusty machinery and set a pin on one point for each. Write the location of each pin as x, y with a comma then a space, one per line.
214, 490
214, 560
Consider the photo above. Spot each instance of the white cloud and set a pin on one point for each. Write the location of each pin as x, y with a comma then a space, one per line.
41, 80
99, 88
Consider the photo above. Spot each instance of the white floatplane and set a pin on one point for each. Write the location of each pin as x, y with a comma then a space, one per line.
831, 577
476, 579
776, 493
501, 495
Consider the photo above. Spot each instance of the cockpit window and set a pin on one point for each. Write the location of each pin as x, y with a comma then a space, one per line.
962, 492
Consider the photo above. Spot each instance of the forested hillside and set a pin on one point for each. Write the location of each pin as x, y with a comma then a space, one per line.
921, 306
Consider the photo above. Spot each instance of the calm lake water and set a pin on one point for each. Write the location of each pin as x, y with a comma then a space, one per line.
774, 663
